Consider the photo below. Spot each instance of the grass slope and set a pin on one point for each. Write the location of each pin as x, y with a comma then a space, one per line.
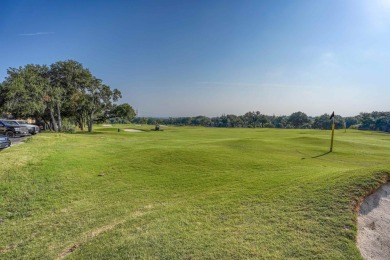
187, 193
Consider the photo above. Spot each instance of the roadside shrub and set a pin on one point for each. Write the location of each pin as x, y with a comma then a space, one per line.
68, 126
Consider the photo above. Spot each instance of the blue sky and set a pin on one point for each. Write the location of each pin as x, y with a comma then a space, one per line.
188, 58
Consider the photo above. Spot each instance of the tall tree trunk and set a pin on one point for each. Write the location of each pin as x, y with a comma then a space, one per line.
80, 121
90, 120
46, 125
53, 120
81, 126
84, 121
59, 117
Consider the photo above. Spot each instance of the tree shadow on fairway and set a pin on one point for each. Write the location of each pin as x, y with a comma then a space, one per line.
317, 156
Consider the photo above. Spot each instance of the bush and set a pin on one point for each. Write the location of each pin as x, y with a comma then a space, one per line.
68, 126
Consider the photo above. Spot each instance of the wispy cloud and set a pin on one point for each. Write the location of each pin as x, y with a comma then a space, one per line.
35, 34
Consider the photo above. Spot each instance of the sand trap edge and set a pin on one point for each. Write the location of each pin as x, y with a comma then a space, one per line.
373, 222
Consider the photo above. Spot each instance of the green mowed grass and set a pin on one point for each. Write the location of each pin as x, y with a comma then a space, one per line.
187, 193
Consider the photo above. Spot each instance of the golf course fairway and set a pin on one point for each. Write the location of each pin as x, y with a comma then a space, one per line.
188, 193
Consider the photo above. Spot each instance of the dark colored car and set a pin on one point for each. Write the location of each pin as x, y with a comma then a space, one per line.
12, 129
32, 129
4, 142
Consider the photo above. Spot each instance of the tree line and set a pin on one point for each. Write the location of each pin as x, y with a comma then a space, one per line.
65, 91
379, 121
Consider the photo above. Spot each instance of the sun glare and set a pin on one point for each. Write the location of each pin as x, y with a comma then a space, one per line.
384, 3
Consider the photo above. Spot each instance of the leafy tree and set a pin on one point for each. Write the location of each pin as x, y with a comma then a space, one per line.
350, 121
123, 111
65, 89
68, 79
254, 119
23, 90
382, 124
339, 122
235, 121
280, 121
200, 120
262, 120
368, 122
322, 122
298, 119
98, 97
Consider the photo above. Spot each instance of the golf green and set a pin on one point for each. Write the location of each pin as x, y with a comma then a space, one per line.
188, 193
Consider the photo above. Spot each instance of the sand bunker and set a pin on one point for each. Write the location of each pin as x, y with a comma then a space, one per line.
373, 238
132, 130
107, 125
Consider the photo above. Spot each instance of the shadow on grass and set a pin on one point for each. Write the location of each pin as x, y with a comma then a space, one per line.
317, 156
321, 154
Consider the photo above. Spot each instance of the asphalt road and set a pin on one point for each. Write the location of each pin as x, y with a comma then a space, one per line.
18, 140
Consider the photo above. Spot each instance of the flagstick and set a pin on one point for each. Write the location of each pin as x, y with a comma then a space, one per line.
331, 142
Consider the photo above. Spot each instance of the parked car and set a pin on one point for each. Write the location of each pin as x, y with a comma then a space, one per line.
32, 129
4, 142
12, 129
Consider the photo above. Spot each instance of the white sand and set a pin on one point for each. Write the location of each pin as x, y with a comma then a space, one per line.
373, 237
107, 125
133, 130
